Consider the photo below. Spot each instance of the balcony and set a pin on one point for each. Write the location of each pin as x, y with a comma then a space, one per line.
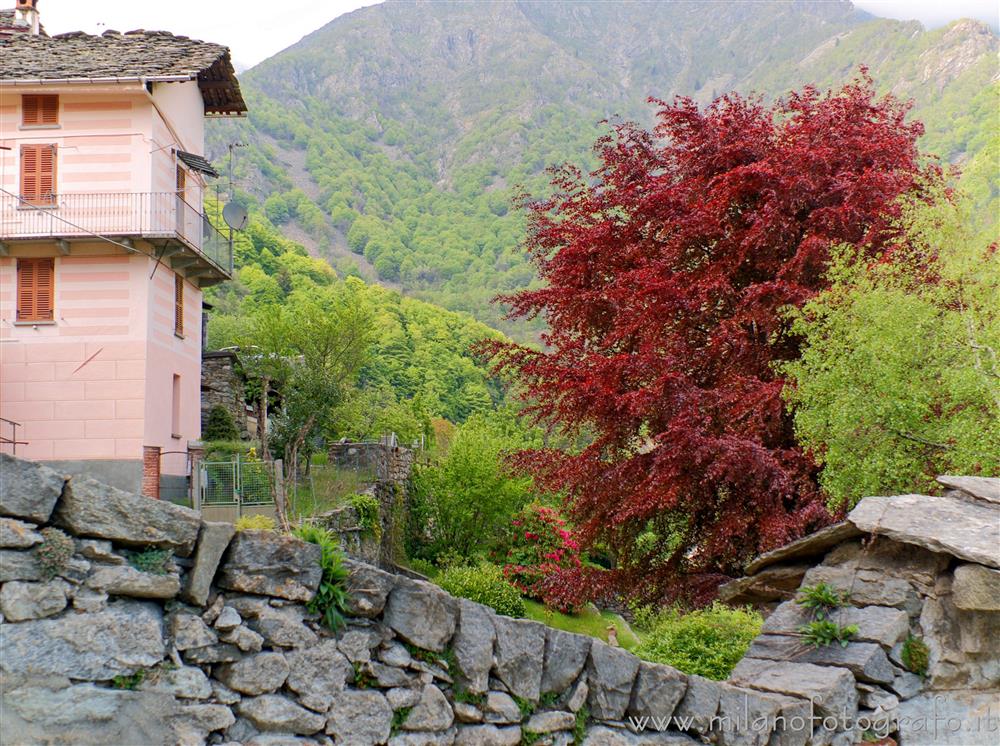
162, 219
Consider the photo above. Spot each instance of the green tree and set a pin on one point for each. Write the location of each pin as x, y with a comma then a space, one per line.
464, 503
899, 379
310, 351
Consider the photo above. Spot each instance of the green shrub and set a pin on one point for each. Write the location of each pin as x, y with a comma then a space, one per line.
821, 599
219, 425
54, 552
916, 655
225, 450
484, 584
258, 522
331, 599
151, 560
424, 567
130, 682
823, 632
707, 642
367, 507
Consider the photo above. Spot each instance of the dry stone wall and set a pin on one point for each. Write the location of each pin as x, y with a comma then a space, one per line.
218, 646
917, 568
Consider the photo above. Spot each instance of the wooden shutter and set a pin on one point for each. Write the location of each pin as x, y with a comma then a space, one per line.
37, 109
178, 305
35, 289
38, 174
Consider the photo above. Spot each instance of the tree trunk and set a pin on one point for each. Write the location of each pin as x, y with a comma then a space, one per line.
265, 454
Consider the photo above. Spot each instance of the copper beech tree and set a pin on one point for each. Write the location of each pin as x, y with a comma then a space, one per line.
665, 274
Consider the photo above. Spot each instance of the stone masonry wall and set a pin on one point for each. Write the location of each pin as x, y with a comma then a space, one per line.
220, 647
221, 385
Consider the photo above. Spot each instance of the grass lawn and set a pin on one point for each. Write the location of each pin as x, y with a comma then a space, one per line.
589, 621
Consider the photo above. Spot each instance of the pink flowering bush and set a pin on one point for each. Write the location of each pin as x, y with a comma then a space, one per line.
543, 559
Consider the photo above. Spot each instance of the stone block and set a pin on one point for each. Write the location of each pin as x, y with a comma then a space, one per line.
20, 601
271, 564
431, 713
359, 717
126, 636
950, 718
976, 588
488, 735
473, 645
611, 673
519, 655
774, 583
831, 689
15, 534
283, 627
87, 715
421, 613
213, 540
27, 489
273, 712
256, 674
658, 690
745, 718
125, 580
981, 488
700, 703
867, 661
968, 531
92, 509
880, 624
369, 589
565, 656
18, 564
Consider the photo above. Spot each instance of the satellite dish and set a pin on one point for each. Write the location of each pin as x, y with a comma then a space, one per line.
235, 216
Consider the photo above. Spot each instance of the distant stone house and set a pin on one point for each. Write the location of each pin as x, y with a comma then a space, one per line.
104, 247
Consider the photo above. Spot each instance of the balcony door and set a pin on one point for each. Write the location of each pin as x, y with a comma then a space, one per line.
181, 200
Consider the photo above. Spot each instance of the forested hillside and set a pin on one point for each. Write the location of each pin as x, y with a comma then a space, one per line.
392, 140
418, 365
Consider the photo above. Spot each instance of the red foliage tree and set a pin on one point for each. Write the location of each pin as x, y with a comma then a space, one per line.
665, 275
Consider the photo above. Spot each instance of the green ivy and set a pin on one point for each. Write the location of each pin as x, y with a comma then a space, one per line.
367, 507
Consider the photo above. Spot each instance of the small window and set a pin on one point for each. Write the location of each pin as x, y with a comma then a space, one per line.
39, 110
35, 289
38, 175
178, 305
175, 407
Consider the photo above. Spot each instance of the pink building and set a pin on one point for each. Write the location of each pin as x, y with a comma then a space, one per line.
104, 250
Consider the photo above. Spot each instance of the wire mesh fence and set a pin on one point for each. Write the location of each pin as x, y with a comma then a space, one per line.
237, 482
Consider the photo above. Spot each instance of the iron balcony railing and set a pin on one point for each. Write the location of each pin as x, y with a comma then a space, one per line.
162, 215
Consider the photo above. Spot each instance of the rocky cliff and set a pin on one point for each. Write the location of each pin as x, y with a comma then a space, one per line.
131, 621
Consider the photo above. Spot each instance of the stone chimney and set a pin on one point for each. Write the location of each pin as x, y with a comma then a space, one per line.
26, 16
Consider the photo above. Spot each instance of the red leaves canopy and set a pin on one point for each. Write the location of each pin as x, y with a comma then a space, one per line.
665, 273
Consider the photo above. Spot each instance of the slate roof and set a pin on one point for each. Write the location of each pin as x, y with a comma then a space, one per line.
147, 55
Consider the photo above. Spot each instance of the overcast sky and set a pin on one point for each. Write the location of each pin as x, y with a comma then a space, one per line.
257, 29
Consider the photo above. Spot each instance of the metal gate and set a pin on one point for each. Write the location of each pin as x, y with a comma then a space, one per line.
227, 490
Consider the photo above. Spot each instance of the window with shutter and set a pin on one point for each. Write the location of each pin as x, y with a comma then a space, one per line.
38, 175
39, 110
178, 305
36, 289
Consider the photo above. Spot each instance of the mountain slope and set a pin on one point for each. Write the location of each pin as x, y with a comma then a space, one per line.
399, 133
